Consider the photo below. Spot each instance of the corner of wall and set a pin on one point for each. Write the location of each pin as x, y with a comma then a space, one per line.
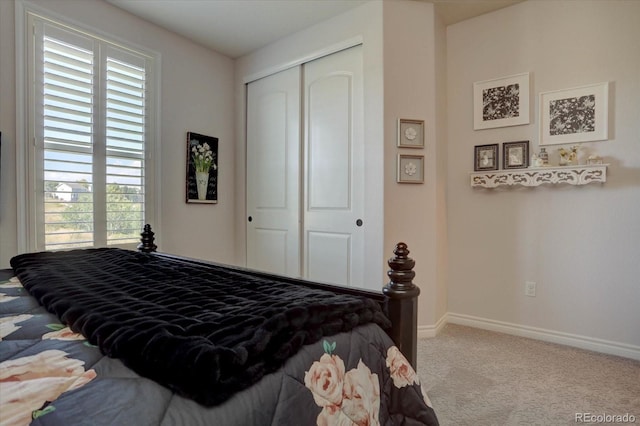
412, 90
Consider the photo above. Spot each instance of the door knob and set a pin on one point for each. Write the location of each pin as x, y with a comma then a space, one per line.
359, 222
249, 218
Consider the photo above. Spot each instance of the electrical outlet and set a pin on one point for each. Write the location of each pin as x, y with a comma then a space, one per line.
530, 288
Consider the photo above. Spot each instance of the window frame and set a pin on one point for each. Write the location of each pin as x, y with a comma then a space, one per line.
29, 161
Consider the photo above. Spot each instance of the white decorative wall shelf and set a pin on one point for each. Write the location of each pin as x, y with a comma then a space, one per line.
573, 175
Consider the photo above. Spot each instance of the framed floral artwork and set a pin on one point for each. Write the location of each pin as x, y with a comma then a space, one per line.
410, 133
575, 115
515, 155
202, 169
501, 102
410, 168
485, 157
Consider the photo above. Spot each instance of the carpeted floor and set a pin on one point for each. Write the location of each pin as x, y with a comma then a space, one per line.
478, 377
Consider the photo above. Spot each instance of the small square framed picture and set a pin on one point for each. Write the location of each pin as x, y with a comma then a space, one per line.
485, 157
410, 168
410, 133
515, 155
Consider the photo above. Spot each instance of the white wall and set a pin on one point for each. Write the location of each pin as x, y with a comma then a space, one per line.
411, 91
441, 148
197, 95
8, 213
581, 245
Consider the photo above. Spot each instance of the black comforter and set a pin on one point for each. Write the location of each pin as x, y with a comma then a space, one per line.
205, 332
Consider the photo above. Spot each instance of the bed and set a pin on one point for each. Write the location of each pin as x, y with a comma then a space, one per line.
116, 337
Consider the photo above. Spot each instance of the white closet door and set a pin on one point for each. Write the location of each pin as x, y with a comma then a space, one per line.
334, 169
273, 173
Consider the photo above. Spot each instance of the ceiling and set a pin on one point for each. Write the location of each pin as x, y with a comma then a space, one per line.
238, 27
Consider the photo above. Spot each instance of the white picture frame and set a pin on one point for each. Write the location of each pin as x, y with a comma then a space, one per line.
580, 114
410, 133
501, 102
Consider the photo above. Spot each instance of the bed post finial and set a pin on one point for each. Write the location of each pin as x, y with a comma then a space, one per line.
403, 302
146, 245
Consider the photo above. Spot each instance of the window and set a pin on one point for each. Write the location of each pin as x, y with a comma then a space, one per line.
90, 120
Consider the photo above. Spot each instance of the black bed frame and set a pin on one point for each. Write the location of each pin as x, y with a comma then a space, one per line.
399, 297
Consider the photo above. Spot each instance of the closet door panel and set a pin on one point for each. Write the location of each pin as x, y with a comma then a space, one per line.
329, 254
273, 173
334, 164
270, 250
270, 162
329, 141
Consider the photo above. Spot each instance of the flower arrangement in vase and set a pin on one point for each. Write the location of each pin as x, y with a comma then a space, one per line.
569, 156
203, 162
202, 156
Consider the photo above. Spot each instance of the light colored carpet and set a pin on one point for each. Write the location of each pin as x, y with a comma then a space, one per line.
478, 377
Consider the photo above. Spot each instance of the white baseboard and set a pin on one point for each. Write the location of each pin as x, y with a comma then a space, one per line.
583, 342
425, 331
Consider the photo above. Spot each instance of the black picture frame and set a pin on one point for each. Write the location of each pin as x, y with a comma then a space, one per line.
202, 185
515, 155
485, 157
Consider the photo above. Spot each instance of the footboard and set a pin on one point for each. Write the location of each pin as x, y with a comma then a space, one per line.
399, 297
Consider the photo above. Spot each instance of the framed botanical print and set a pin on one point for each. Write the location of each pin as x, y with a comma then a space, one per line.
574, 115
202, 169
501, 102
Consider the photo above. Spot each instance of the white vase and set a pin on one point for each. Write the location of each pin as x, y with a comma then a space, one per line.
202, 181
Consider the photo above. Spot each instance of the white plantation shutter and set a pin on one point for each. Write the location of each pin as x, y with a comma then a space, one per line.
91, 127
125, 143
